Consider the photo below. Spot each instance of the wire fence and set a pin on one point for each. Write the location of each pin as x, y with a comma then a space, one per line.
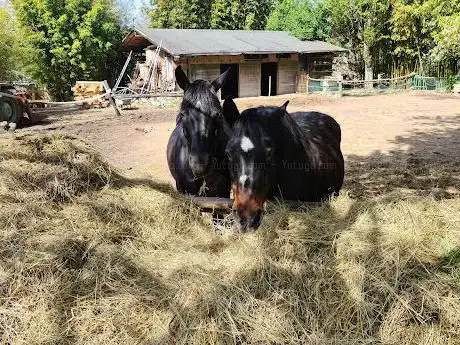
335, 86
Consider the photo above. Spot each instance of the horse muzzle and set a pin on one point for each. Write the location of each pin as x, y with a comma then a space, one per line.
199, 165
247, 210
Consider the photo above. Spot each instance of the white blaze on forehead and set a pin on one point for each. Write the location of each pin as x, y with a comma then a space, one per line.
198, 104
246, 144
246, 173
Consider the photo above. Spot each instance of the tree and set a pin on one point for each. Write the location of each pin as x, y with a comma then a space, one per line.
206, 14
447, 39
409, 31
303, 19
72, 39
360, 26
240, 14
8, 47
180, 14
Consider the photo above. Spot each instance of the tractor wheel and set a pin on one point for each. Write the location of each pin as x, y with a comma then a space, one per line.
10, 110
28, 117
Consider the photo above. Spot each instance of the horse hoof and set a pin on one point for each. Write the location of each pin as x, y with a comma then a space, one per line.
12, 127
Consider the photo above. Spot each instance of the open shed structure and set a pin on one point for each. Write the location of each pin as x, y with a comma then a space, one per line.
264, 63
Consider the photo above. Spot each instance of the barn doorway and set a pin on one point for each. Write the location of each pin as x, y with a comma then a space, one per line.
269, 76
230, 88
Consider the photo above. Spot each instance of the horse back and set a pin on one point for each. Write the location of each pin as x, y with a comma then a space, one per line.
316, 123
321, 137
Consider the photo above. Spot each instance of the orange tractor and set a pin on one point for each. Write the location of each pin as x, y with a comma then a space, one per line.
15, 109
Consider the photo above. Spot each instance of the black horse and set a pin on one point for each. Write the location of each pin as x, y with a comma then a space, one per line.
196, 148
272, 153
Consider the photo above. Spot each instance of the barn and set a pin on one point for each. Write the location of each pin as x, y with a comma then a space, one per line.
264, 63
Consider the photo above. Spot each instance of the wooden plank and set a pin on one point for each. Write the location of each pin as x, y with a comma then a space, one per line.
250, 75
287, 76
205, 72
224, 205
211, 205
111, 100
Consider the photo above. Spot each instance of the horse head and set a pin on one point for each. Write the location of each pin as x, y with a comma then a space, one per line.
201, 119
252, 159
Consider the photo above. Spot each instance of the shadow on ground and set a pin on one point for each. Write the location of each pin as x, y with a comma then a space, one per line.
430, 166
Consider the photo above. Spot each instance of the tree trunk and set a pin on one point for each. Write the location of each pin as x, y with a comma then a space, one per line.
368, 64
420, 60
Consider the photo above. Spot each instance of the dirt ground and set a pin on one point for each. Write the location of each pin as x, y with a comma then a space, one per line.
409, 142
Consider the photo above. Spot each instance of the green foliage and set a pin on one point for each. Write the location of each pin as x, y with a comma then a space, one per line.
206, 14
8, 46
426, 30
450, 82
391, 34
71, 40
303, 19
181, 14
361, 27
447, 39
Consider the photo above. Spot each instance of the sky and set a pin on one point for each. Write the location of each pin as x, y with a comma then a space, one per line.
133, 9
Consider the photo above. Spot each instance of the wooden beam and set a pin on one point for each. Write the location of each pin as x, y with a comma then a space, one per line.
224, 205
111, 99
208, 203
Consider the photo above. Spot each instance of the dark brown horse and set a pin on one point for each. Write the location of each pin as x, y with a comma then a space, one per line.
195, 151
272, 153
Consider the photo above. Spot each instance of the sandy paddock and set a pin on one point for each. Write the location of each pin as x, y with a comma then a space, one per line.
408, 141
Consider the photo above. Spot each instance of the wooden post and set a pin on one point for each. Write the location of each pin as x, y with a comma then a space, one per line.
269, 85
111, 99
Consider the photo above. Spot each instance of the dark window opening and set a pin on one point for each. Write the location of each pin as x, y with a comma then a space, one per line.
230, 87
269, 75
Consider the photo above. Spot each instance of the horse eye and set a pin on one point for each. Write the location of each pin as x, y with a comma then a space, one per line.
216, 132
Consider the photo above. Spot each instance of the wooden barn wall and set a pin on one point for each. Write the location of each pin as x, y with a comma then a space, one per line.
215, 59
206, 72
288, 71
250, 79
208, 68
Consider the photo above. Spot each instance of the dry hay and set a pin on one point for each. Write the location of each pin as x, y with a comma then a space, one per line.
89, 257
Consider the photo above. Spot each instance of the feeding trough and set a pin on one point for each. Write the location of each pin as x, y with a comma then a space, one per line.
224, 205
212, 204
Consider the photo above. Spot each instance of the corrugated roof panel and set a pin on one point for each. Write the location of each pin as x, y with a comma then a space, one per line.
189, 42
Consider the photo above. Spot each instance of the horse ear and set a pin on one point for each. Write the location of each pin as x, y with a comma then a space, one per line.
219, 82
284, 106
182, 79
231, 112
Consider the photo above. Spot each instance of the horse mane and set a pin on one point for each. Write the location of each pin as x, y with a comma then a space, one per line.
265, 118
281, 128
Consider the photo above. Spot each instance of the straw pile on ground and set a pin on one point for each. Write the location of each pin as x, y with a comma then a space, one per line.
90, 257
